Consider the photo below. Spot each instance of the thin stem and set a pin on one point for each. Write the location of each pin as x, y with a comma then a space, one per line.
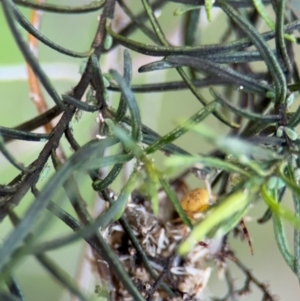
91, 7
279, 38
38, 35
32, 61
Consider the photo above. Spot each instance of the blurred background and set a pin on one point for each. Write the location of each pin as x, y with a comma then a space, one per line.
76, 32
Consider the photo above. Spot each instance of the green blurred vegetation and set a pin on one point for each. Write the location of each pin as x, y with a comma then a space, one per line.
76, 32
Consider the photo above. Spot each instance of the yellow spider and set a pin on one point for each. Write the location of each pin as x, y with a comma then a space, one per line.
197, 201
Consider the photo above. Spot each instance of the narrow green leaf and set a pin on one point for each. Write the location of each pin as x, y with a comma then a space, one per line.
14, 288
80, 104
55, 271
102, 246
235, 146
49, 7
208, 8
23, 135
61, 276
98, 81
185, 8
186, 161
282, 243
128, 142
151, 185
291, 184
279, 38
132, 104
38, 35
104, 161
83, 155
30, 58
172, 197
261, 45
100, 185
157, 50
223, 58
234, 77
120, 204
127, 73
11, 158
244, 113
296, 200
8, 297
182, 129
279, 209
156, 66
264, 14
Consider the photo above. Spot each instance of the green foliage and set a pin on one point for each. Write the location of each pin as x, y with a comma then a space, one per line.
257, 159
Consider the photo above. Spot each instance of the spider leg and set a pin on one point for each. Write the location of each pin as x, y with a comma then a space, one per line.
246, 234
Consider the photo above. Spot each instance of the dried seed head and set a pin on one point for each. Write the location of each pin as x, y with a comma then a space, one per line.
159, 240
